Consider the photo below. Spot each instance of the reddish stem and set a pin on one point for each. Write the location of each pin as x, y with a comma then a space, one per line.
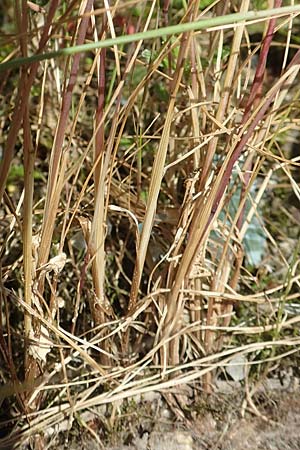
256, 90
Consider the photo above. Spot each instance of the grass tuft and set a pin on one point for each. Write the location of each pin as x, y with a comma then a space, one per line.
150, 201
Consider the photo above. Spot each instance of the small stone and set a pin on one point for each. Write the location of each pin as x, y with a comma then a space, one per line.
177, 440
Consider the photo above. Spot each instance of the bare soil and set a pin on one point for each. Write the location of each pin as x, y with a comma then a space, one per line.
221, 421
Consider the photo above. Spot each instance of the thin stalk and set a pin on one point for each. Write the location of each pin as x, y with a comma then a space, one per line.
156, 178
29, 158
226, 93
56, 162
20, 104
205, 24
